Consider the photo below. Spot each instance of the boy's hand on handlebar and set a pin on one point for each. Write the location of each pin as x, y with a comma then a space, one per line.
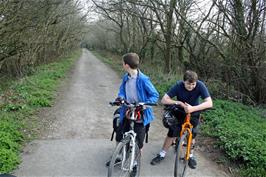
180, 104
119, 99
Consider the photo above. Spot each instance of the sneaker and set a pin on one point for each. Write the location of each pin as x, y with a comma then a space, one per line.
117, 161
157, 159
192, 163
134, 171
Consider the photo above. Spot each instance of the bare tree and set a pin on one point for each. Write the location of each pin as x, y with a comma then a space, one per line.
245, 49
34, 32
223, 40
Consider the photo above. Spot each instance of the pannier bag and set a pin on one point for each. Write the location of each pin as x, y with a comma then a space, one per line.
116, 121
168, 119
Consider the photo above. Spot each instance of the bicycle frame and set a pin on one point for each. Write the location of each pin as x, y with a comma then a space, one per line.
132, 136
187, 126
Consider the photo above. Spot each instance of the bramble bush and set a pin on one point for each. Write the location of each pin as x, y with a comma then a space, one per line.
241, 131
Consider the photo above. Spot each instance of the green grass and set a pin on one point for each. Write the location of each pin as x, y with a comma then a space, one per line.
10, 141
239, 129
19, 101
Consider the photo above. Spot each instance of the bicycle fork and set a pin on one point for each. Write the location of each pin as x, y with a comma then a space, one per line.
187, 130
189, 141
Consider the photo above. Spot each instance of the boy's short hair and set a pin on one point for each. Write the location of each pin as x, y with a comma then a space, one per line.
190, 76
132, 59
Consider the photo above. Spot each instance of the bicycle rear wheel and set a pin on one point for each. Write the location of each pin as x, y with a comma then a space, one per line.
124, 152
180, 161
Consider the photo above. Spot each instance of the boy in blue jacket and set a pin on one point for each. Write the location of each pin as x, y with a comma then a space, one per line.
136, 87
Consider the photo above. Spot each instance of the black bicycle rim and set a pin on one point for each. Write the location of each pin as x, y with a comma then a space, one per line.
180, 161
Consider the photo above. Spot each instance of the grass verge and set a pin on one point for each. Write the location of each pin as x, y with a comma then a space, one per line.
241, 134
19, 101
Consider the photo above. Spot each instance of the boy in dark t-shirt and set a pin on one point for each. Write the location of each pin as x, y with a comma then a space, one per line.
187, 93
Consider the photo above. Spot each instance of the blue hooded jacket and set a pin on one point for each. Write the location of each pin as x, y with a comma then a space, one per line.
146, 93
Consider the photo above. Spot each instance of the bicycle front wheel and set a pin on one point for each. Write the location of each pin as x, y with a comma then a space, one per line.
123, 154
180, 161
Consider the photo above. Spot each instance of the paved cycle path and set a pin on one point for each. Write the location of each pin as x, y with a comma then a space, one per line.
78, 127
86, 157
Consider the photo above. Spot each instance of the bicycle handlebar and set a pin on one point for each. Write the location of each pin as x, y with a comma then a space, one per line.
124, 102
179, 108
134, 108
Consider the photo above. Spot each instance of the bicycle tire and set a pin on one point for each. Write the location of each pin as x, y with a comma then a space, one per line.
181, 164
137, 159
119, 172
